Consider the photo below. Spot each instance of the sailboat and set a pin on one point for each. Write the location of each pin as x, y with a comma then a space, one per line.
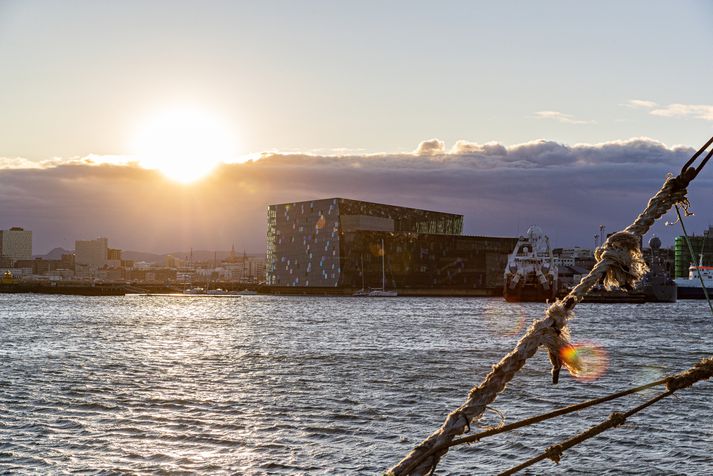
382, 291
363, 292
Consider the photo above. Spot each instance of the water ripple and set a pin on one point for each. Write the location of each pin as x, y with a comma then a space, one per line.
305, 385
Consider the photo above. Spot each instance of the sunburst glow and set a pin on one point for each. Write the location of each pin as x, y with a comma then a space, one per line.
183, 144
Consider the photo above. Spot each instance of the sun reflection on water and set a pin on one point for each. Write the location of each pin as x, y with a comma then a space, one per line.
505, 324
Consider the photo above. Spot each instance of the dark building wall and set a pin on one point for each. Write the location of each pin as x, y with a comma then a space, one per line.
404, 218
424, 261
68, 261
39, 265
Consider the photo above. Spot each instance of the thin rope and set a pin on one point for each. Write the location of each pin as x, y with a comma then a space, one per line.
703, 370
690, 250
536, 419
555, 452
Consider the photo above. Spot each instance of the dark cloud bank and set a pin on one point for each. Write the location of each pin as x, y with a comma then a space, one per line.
568, 190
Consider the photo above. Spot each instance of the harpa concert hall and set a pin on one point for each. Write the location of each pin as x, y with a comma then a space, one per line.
337, 243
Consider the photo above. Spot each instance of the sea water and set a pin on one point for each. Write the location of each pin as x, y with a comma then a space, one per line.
327, 385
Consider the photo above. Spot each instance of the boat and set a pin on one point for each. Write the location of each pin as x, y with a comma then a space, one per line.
245, 292
196, 290
363, 292
690, 288
531, 273
657, 285
377, 292
382, 293
600, 295
218, 292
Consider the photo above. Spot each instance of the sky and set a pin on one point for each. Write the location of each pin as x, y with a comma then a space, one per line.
561, 114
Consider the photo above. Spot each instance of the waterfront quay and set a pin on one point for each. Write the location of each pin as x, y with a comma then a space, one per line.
83, 288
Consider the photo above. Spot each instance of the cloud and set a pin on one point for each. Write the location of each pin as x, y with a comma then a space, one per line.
490, 148
92, 159
19, 163
431, 147
561, 117
694, 111
568, 189
640, 104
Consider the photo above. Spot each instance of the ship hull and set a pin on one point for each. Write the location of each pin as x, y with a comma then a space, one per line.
614, 297
530, 292
661, 293
691, 292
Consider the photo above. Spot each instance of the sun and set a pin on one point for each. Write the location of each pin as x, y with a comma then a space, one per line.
184, 144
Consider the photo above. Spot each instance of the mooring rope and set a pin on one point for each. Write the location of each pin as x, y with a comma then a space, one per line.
619, 263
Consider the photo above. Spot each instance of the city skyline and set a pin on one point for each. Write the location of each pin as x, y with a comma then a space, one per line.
568, 191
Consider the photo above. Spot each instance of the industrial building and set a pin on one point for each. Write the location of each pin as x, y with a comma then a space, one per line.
702, 249
337, 243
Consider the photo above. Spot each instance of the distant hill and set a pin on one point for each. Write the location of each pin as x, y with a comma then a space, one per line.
198, 255
55, 253
208, 255
142, 256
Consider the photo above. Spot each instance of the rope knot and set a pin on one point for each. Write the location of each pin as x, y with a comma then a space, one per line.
554, 453
617, 418
625, 264
680, 183
559, 313
701, 371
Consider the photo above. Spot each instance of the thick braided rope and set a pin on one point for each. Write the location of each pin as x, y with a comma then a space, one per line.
619, 262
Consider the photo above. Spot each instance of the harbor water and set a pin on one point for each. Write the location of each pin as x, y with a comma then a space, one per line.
327, 385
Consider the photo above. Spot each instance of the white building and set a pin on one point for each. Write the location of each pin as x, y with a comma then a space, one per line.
92, 254
572, 256
16, 243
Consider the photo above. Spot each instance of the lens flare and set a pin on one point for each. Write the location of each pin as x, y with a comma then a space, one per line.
507, 324
585, 361
321, 222
646, 375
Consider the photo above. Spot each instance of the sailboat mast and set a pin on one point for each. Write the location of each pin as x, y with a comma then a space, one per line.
383, 266
362, 272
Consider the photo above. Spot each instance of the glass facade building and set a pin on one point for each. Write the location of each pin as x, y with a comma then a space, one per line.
336, 242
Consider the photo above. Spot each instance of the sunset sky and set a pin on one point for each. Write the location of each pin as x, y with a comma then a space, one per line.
511, 113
